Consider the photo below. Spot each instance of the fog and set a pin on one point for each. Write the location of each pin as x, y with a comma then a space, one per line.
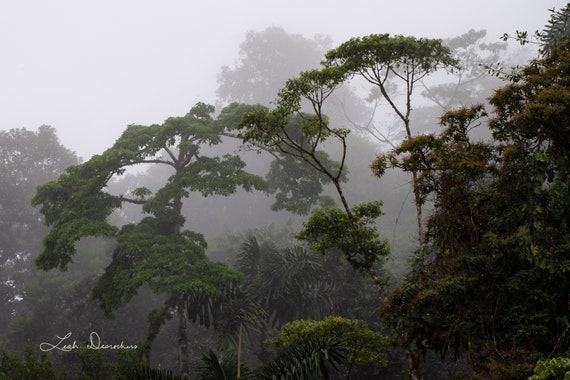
91, 68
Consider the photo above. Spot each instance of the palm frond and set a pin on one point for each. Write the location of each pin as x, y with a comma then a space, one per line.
310, 359
221, 367
144, 372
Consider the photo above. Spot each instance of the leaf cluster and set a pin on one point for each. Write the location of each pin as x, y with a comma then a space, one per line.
362, 345
77, 204
288, 283
221, 366
28, 367
377, 56
305, 359
551, 369
354, 235
171, 264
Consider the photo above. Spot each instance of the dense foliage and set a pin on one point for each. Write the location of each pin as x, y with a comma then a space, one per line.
27, 160
494, 285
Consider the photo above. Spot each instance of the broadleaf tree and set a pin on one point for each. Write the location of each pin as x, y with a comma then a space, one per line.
157, 250
27, 159
393, 64
267, 59
291, 132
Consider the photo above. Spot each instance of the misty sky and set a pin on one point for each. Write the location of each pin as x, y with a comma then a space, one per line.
90, 68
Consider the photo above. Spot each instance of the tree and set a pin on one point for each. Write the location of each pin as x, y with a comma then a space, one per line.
279, 56
551, 369
470, 81
291, 132
156, 251
14, 367
360, 344
289, 283
552, 35
27, 159
267, 59
447, 164
557, 29
496, 285
378, 59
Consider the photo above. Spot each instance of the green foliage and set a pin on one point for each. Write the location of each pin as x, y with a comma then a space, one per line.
222, 367
296, 187
352, 234
76, 205
314, 86
307, 359
231, 115
94, 364
452, 153
370, 55
171, 264
383, 60
554, 32
289, 283
287, 130
557, 29
293, 133
12, 367
552, 369
393, 65
360, 343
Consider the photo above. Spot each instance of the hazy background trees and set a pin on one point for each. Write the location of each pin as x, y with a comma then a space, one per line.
27, 160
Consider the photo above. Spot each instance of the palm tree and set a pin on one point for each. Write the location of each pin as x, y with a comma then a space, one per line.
289, 283
556, 30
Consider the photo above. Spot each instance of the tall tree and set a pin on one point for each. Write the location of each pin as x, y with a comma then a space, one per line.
266, 60
469, 82
382, 60
27, 159
157, 250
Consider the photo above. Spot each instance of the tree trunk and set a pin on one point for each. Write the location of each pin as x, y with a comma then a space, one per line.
419, 216
239, 353
183, 364
416, 357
